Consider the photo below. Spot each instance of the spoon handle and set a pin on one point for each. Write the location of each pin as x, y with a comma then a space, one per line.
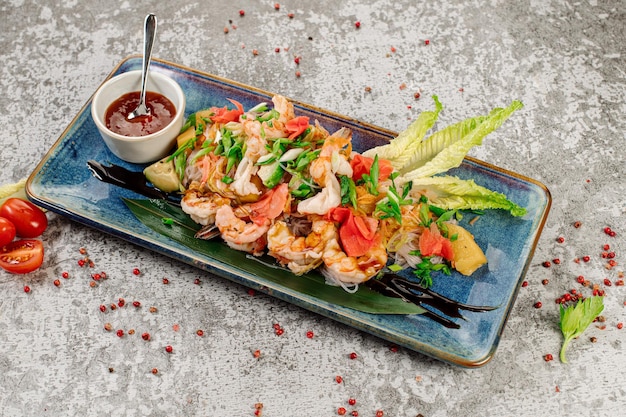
149, 35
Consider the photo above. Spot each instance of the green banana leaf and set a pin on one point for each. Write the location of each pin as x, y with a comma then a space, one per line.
169, 220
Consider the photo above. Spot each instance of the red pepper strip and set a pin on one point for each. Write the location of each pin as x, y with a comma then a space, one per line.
223, 115
297, 126
356, 233
362, 165
432, 243
271, 205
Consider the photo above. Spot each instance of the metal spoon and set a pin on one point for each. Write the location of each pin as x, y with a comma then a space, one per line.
149, 34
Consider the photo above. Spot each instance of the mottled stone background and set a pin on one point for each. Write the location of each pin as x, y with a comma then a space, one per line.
564, 59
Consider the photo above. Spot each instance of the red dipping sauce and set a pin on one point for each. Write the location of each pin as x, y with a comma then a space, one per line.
162, 112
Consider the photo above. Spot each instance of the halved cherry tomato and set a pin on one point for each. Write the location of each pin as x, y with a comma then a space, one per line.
21, 256
7, 231
28, 219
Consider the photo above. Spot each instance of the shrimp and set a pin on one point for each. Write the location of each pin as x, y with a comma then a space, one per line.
240, 235
324, 172
340, 141
242, 185
255, 129
284, 107
256, 147
202, 207
320, 203
300, 253
351, 269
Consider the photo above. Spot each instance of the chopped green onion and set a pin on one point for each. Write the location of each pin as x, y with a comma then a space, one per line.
348, 191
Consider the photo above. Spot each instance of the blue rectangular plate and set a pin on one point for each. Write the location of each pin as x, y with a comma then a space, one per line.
63, 184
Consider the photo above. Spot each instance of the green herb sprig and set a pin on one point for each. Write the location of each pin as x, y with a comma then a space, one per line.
576, 318
425, 268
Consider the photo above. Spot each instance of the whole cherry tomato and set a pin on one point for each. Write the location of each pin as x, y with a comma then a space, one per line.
28, 219
7, 231
21, 256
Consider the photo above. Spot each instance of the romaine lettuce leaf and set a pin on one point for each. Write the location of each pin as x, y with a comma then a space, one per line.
452, 155
400, 149
449, 192
438, 141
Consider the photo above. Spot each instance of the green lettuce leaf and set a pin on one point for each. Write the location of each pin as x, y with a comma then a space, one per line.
400, 149
449, 192
575, 319
438, 141
452, 155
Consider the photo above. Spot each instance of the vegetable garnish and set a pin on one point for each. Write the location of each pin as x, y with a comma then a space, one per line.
357, 233
297, 126
576, 318
224, 115
418, 159
390, 206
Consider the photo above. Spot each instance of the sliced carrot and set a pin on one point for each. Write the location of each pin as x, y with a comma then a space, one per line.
432, 243
224, 115
297, 126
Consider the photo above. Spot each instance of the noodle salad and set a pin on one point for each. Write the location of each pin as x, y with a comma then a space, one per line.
272, 182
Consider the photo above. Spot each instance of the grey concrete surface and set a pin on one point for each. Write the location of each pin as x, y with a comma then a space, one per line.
565, 60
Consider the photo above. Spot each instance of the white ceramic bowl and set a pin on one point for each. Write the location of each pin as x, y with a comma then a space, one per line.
140, 149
